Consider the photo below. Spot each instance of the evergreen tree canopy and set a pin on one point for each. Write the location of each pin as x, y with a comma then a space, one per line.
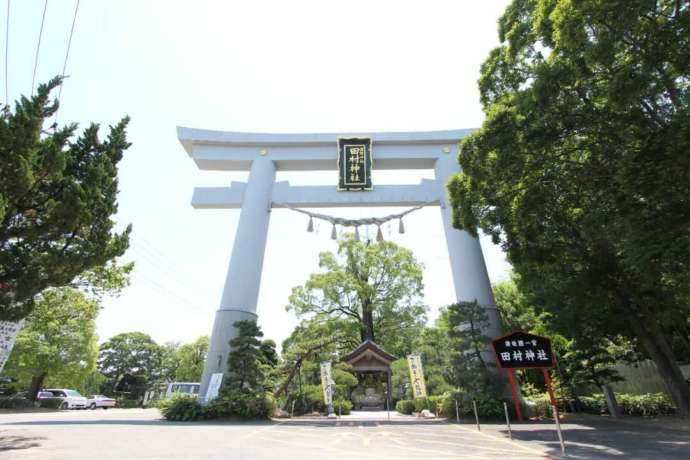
250, 360
374, 288
57, 196
131, 357
581, 167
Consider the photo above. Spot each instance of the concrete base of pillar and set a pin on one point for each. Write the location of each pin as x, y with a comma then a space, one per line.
219, 346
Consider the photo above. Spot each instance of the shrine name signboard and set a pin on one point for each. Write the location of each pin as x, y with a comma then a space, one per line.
520, 350
354, 164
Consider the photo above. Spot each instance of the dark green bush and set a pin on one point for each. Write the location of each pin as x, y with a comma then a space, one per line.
310, 400
488, 406
342, 406
15, 403
244, 405
645, 405
538, 406
123, 403
405, 406
422, 403
181, 408
252, 405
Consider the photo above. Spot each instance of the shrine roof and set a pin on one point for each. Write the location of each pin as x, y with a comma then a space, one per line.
368, 345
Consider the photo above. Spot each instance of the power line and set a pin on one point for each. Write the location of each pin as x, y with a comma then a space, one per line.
64, 66
38, 47
7, 48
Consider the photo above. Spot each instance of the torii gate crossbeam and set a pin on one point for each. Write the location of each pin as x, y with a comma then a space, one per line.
264, 154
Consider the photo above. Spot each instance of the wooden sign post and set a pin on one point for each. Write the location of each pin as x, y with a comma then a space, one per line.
521, 350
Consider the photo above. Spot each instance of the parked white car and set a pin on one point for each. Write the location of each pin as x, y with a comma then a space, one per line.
95, 401
71, 398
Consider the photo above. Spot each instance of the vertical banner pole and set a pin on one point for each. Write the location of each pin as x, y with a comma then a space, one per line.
513, 392
457, 411
549, 388
505, 409
476, 416
558, 429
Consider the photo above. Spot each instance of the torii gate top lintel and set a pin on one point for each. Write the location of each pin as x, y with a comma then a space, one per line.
235, 151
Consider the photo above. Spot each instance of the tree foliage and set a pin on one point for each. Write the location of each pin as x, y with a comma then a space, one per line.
132, 361
373, 289
57, 196
471, 368
583, 363
191, 358
250, 361
58, 344
581, 169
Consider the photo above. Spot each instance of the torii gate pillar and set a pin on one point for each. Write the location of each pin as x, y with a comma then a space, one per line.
241, 289
263, 154
470, 277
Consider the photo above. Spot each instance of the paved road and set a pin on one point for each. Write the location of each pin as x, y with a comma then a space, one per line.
140, 434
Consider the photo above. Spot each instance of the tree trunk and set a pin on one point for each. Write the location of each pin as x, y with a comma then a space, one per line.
655, 344
367, 327
36, 385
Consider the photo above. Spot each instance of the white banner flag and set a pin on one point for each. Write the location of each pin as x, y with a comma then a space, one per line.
417, 376
8, 334
327, 383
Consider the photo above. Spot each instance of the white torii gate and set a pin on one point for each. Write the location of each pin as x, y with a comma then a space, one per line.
263, 154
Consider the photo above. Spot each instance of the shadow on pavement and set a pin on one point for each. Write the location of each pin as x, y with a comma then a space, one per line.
19, 442
592, 439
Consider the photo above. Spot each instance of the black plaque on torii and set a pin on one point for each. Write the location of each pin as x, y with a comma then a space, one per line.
354, 164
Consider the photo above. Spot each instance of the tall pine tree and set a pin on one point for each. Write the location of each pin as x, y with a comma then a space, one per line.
57, 196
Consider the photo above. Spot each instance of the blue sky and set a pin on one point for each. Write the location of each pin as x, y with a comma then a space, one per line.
251, 66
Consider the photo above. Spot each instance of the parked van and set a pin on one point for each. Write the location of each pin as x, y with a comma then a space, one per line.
185, 388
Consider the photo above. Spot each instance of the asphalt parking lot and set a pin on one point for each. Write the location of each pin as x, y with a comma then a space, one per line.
141, 434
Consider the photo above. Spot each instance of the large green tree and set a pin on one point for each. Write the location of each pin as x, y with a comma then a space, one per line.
58, 344
375, 288
57, 196
581, 167
191, 359
132, 361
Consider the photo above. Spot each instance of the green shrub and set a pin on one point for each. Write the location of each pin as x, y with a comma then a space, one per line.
217, 408
646, 404
422, 403
7, 402
405, 406
244, 405
123, 403
538, 405
310, 400
488, 406
253, 405
181, 408
342, 406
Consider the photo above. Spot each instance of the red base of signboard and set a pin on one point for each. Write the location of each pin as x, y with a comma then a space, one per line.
513, 391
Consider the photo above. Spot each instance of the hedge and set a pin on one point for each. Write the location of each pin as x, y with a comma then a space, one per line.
342, 406
244, 405
443, 405
7, 402
645, 405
